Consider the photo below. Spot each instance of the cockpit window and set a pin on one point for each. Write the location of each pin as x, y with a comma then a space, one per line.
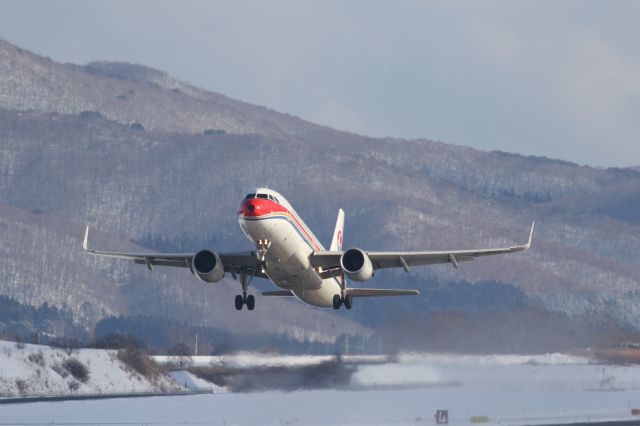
266, 196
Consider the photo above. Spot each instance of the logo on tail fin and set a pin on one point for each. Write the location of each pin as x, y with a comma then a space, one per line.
336, 241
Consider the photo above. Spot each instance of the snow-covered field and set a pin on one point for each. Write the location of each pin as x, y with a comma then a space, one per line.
189, 381
34, 369
507, 389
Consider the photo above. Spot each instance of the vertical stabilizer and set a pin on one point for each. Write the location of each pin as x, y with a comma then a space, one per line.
336, 241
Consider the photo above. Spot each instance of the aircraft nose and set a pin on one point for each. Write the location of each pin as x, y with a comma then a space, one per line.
247, 208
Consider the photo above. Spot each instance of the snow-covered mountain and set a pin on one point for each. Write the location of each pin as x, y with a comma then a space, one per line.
150, 161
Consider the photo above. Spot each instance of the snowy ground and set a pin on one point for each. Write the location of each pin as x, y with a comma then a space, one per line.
512, 390
35, 369
191, 382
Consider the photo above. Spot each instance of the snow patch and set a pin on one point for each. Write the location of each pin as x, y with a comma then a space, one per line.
27, 369
194, 383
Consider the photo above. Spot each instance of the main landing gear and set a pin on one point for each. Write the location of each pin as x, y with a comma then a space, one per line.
342, 298
245, 299
338, 301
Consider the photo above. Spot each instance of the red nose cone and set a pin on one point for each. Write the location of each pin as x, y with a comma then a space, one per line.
249, 207
254, 207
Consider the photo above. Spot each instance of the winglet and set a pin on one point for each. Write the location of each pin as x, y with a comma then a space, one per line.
528, 244
85, 242
533, 225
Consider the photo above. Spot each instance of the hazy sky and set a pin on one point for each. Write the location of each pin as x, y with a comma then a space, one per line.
560, 79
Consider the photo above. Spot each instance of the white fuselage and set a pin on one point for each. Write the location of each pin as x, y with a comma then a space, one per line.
291, 243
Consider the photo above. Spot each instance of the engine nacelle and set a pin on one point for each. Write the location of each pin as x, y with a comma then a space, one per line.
207, 266
356, 265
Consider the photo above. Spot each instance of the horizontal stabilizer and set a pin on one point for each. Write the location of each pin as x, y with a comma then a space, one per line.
379, 292
278, 293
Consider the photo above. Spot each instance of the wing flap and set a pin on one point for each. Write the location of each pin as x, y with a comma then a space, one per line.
178, 263
382, 260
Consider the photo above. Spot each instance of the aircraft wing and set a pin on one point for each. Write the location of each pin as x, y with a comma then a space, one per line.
232, 262
330, 260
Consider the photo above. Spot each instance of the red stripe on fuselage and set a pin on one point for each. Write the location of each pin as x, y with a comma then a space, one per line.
254, 208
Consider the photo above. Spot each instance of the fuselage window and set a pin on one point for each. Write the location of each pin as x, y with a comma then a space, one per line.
262, 196
250, 196
275, 199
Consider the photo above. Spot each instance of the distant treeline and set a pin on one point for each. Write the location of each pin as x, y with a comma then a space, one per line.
36, 324
437, 295
161, 335
487, 317
47, 324
525, 330
510, 194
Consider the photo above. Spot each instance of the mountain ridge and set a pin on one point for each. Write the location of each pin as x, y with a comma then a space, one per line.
61, 82
70, 155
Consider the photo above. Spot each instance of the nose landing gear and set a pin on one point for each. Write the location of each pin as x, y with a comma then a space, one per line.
261, 254
247, 274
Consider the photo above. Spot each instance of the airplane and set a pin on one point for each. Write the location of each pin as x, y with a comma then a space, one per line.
288, 254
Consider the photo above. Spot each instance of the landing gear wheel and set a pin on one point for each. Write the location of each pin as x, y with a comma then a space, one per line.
337, 301
348, 301
243, 299
251, 302
239, 302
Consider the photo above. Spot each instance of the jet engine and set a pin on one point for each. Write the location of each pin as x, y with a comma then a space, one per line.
356, 265
207, 266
